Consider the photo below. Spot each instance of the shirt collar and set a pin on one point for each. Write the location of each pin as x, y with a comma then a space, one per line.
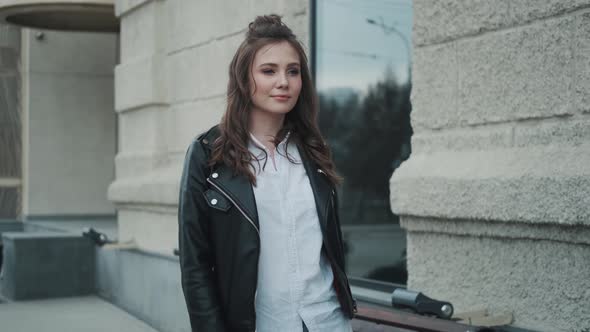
258, 149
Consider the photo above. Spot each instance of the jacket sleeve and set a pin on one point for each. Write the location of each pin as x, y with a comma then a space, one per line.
195, 247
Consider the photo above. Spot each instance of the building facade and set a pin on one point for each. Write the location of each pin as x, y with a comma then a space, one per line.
495, 195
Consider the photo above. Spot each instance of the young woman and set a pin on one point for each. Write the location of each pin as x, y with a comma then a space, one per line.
260, 241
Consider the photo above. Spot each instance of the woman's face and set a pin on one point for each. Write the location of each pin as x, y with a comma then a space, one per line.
275, 78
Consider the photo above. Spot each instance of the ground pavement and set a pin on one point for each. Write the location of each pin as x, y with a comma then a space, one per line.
76, 314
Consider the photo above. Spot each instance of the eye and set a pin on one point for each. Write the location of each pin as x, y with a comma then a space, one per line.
268, 71
293, 72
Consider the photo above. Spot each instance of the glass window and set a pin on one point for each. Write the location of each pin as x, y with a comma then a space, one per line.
362, 69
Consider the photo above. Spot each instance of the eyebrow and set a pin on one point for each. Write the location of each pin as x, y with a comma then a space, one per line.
275, 65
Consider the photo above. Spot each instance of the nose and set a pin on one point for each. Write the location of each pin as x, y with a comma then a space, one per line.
283, 81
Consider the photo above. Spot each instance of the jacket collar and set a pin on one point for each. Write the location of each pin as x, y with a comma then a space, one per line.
238, 187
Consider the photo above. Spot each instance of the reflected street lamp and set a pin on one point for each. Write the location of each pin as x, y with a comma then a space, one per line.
388, 30
406, 146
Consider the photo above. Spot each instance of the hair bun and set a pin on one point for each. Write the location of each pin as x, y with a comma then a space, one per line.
269, 26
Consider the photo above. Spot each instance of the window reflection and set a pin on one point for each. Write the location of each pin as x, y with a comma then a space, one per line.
362, 65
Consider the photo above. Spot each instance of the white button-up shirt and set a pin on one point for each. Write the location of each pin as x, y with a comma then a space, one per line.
294, 277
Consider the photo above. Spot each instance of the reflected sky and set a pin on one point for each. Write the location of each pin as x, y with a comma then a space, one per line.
353, 53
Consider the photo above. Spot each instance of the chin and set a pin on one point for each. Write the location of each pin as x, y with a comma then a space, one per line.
279, 110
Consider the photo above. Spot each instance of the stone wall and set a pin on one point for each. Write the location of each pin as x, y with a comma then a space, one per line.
496, 196
170, 86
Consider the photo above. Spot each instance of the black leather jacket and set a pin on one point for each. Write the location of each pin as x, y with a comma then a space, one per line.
219, 241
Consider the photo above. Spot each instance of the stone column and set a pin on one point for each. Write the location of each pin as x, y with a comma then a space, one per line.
141, 192
496, 196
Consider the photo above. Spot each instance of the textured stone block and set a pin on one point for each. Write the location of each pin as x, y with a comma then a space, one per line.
461, 139
125, 7
546, 284
140, 83
535, 184
299, 23
523, 11
142, 31
565, 131
201, 72
157, 230
518, 74
155, 189
437, 21
434, 91
43, 265
443, 20
191, 119
581, 91
192, 23
132, 164
143, 130
579, 234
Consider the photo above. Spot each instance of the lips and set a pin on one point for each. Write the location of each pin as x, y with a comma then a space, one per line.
281, 97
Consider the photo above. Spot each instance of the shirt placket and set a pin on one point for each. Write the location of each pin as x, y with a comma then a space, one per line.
288, 217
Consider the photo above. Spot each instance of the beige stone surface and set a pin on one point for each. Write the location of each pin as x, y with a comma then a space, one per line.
495, 197
443, 20
544, 283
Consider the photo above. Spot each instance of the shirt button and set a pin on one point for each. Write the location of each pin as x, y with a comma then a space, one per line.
214, 201
215, 175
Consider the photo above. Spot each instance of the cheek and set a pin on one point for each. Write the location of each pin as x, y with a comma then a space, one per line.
297, 86
254, 85
263, 85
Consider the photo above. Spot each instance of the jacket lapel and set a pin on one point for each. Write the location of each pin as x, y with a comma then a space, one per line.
238, 187
241, 192
321, 187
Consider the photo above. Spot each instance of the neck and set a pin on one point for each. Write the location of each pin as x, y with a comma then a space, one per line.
265, 126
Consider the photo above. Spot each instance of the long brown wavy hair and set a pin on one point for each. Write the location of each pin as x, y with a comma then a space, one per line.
231, 148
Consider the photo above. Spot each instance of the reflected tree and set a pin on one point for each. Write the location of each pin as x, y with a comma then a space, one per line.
369, 135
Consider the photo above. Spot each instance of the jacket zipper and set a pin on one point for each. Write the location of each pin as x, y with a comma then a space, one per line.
236, 205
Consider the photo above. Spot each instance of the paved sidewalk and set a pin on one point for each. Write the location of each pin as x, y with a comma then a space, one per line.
77, 314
